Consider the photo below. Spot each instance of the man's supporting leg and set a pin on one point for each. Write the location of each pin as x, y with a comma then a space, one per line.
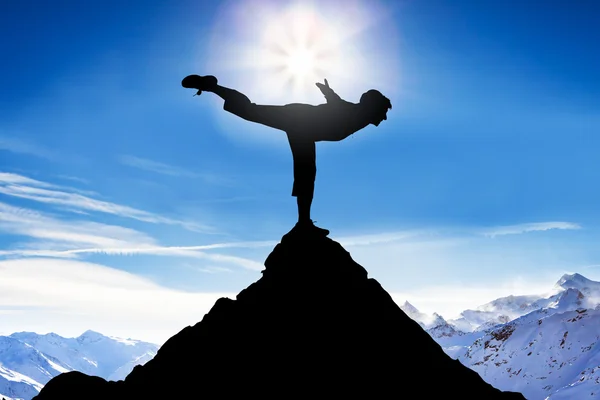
305, 171
304, 203
305, 223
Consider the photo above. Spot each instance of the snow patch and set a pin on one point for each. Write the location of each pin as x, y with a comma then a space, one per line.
128, 342
94, 363
10, 375
54, 365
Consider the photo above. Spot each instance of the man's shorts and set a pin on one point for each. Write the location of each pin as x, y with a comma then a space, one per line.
305, 165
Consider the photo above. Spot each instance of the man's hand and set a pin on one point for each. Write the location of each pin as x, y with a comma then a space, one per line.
329, 94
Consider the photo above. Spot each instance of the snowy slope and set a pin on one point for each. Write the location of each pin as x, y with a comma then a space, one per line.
29, 360
91, 353
16, 385
426, 321
591, 289
544, 346
24, 359
541, 353
122, 372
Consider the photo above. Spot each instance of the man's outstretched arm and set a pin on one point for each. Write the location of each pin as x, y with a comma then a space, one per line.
328, 92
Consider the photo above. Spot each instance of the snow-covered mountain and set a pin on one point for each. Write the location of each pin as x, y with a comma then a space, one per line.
591, 289
14, 385
499, 311
543, 354
544, 346
435, 324
29, 360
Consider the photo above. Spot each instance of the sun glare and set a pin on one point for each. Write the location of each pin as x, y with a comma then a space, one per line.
299, 48
301, 63
276, 50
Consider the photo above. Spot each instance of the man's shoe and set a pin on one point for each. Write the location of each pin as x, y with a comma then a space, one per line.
310, 228
199, 83
305, 230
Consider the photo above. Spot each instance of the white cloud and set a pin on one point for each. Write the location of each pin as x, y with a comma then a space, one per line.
69, 297
27, 188
529, 227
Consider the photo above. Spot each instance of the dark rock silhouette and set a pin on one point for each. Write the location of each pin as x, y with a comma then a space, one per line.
313, 326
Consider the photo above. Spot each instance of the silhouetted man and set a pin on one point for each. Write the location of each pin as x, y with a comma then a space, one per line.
304, 125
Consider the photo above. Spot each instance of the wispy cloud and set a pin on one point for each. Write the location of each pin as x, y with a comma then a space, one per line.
386, 237
20, 186
8, 178
153, 250
446, 233
214, 269
20, 146
528, 227
73, 238
73, 178
591, 267
209, 269
170, 251
154, 166
52, 234
170, 170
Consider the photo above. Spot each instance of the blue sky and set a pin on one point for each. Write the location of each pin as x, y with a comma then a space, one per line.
116, 182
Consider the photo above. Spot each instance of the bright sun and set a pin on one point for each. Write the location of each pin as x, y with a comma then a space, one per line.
300, 48
301, 62
277, 50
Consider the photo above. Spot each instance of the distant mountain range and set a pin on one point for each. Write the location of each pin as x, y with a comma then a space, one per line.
29, 360
545, 346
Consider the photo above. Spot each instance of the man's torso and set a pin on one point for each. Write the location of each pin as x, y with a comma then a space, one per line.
323, 122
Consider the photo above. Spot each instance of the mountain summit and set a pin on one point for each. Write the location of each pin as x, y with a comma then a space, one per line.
314, 325
580, 282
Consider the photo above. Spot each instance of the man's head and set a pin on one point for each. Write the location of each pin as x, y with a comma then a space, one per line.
375, 105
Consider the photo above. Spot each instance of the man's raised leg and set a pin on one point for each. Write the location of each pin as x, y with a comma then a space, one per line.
199, 83
237, 103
